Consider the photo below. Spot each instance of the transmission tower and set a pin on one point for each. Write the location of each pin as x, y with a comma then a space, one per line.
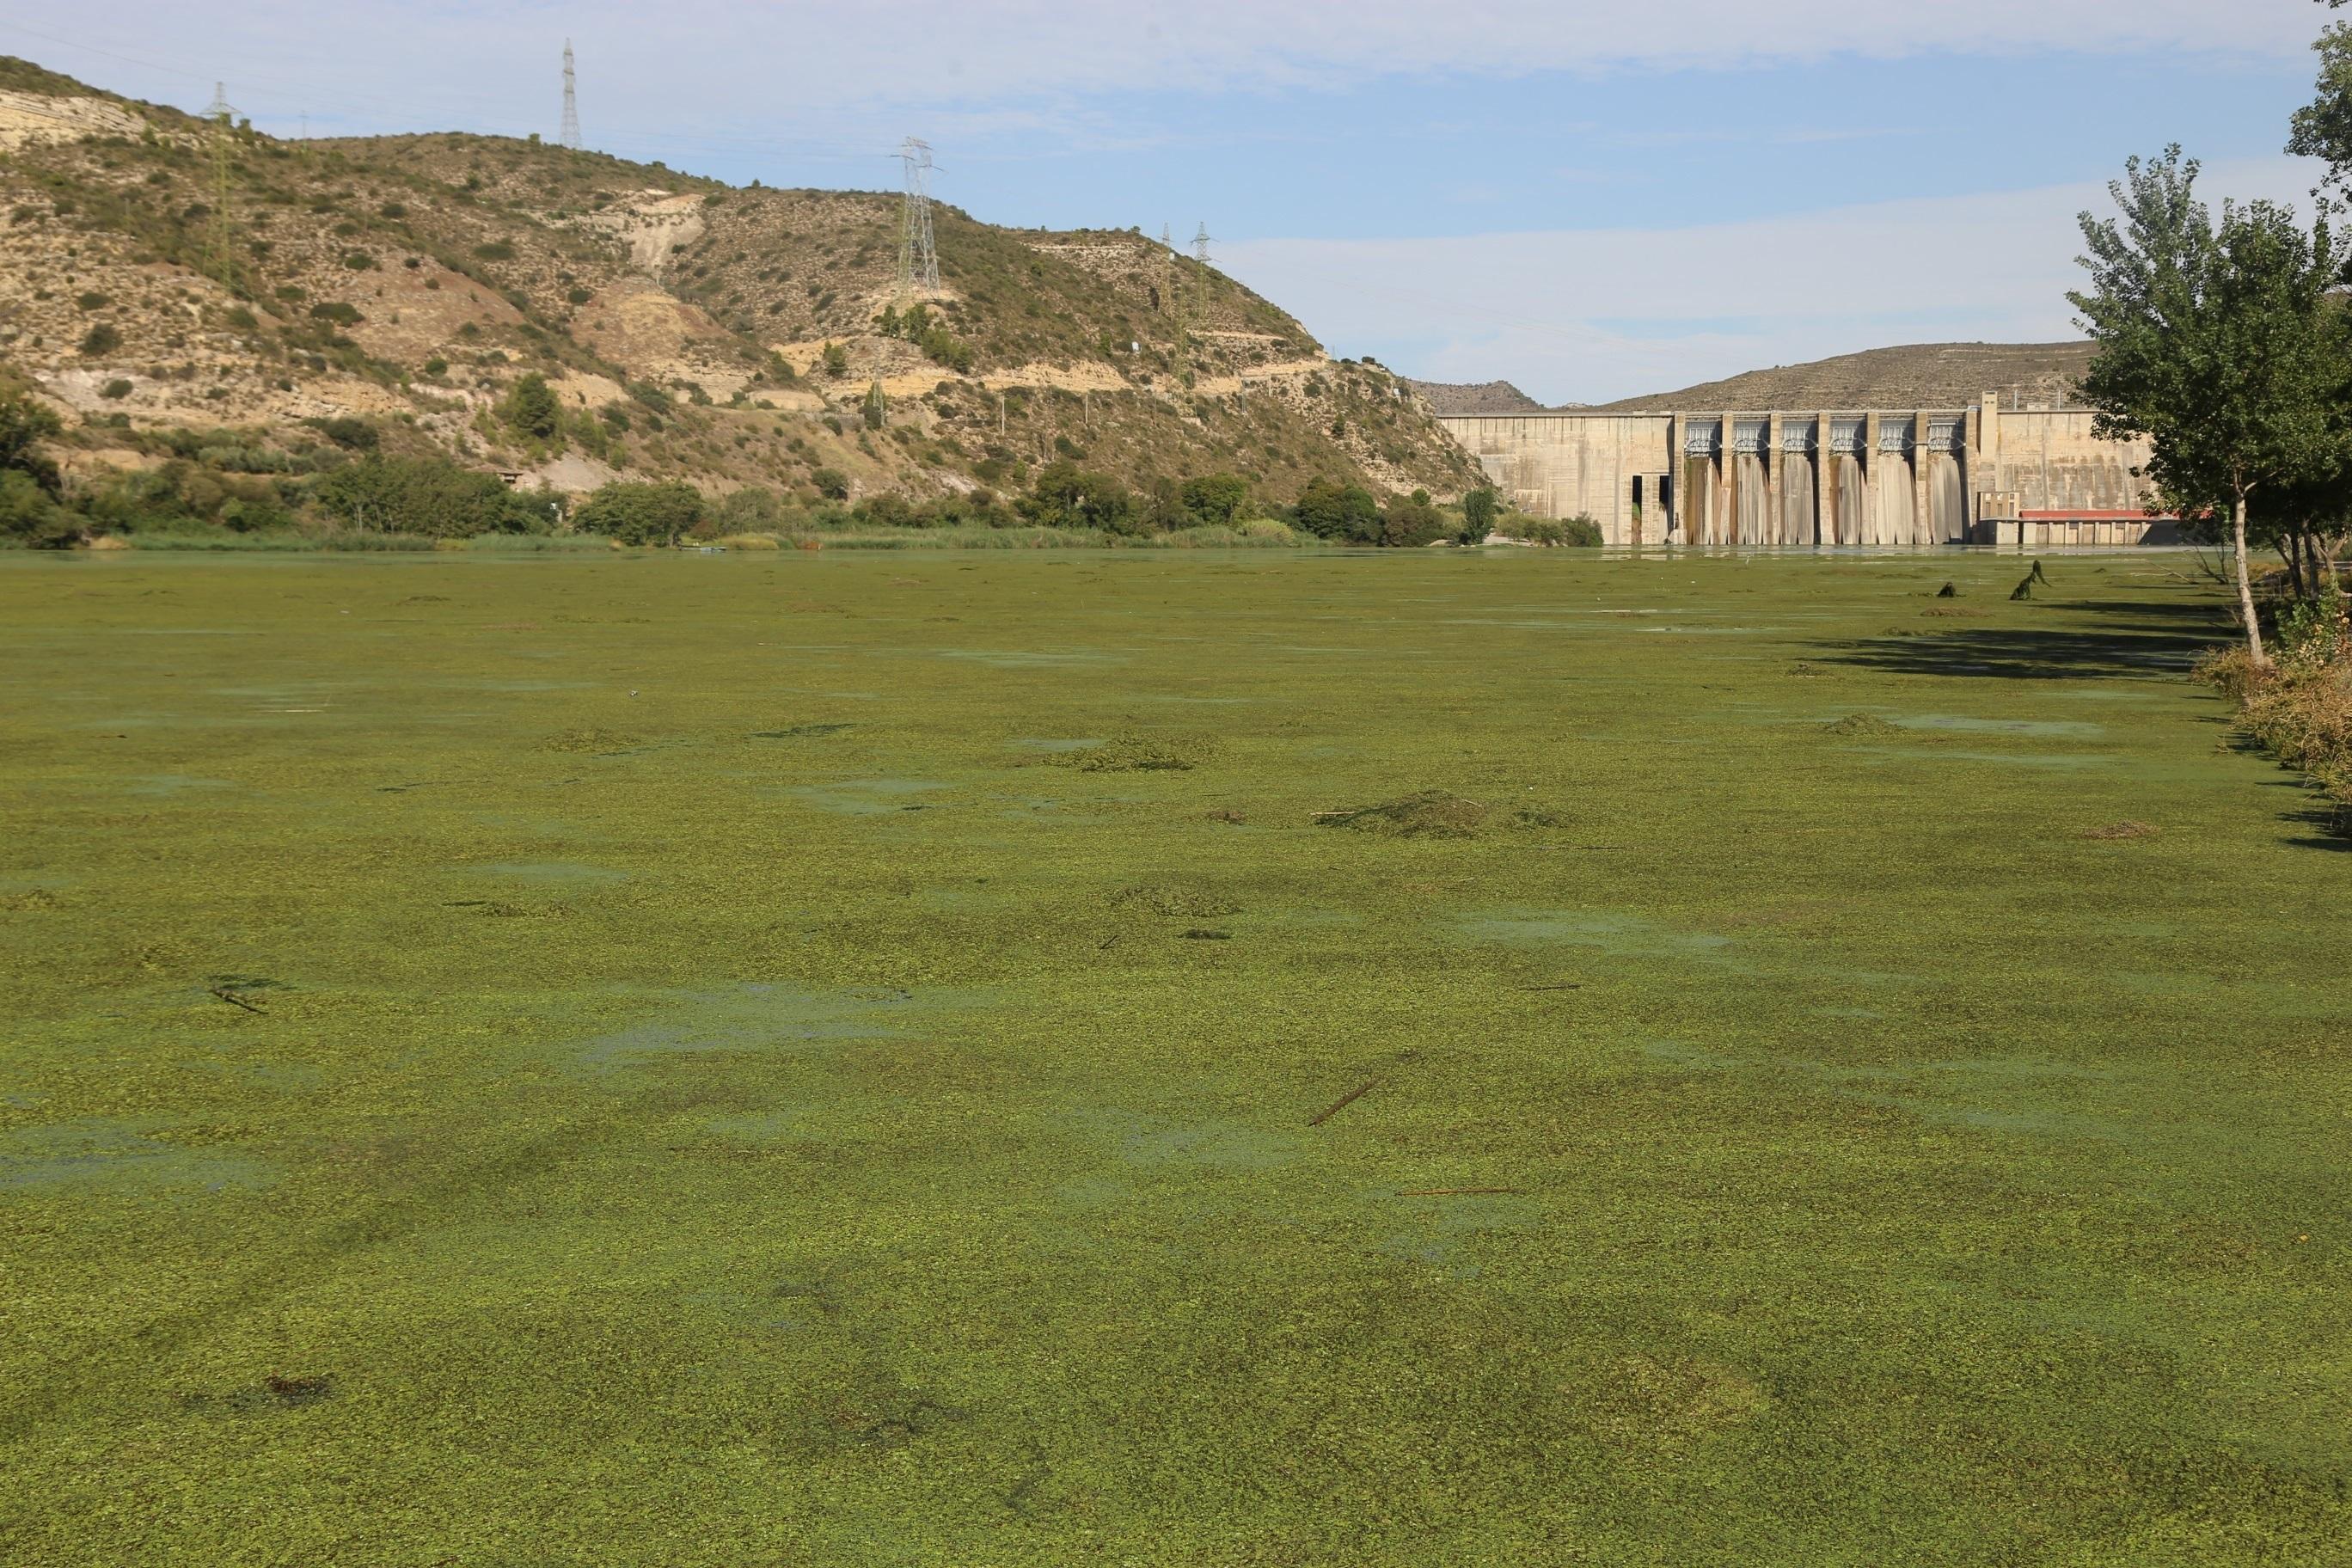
919, 252
217, 256
1201, 244
570, 102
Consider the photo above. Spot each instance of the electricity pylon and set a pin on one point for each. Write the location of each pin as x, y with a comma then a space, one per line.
218, 261
919, 252
570, 102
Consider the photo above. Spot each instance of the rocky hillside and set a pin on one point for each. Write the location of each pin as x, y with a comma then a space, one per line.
725, 335
1915, 375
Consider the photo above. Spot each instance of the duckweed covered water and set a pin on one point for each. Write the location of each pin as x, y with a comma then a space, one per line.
707, 1074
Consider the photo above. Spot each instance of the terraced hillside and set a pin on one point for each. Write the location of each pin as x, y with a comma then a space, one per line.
689, 329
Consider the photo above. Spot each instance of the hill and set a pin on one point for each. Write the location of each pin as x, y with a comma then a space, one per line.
1915, 375
1482, 398
727, 336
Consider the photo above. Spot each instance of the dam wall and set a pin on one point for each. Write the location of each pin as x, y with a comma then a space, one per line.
1978, 475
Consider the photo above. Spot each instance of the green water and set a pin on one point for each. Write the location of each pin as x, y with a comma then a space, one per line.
719, 1085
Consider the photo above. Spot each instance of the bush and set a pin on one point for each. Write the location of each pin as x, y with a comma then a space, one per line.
101, 339
23, 423
1344, 512
1061, 496
831, 483
531, 407
30, 516
837, 361
638, 514
578, 295
1411, 523
352, 435
1221, 499
1575, 531
494, 251
91, 300
116, 388
752, 510
338, 313
427, 496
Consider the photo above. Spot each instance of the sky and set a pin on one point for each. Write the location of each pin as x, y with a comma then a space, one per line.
1590, 198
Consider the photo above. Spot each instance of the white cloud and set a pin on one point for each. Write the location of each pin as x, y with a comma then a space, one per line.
1594, 315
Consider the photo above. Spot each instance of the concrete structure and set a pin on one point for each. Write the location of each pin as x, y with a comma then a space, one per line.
1979, 474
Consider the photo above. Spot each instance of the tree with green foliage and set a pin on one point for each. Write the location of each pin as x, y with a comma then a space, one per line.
24, 424
2322, 128
428, 496
531, 407
1063, 496
837, 361
30, 515
1411, 523
831, 483
101, 339
2217, 343
1479, 510
639, 514
1348, 513
1217, 499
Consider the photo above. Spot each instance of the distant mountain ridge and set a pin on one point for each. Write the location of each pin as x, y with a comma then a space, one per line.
1479, 397
1909, 375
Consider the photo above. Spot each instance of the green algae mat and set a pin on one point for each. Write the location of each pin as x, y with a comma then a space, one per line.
1065, 1058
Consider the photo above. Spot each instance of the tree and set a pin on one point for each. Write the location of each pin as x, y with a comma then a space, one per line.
2216, 343
2322, 128
23, 423
1217, 499
638, 514
1348, 513
30, 515
427, 496
1478, 510
1061, 496
1411, 523
532, 408
837, 361
831, 483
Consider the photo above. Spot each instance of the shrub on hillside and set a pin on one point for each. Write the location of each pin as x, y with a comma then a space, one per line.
1411, 523
639, 514
426, 496
531, 407
351, 434
101, 339
831, 483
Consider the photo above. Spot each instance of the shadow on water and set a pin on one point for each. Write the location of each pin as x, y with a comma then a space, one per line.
2141, 638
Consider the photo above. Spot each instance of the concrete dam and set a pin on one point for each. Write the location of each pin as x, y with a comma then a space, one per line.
1980, 475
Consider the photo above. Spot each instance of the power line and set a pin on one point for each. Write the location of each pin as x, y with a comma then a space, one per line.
570, 102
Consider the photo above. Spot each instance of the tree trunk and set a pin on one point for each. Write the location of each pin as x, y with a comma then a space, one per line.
2246, 584
2290, 549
